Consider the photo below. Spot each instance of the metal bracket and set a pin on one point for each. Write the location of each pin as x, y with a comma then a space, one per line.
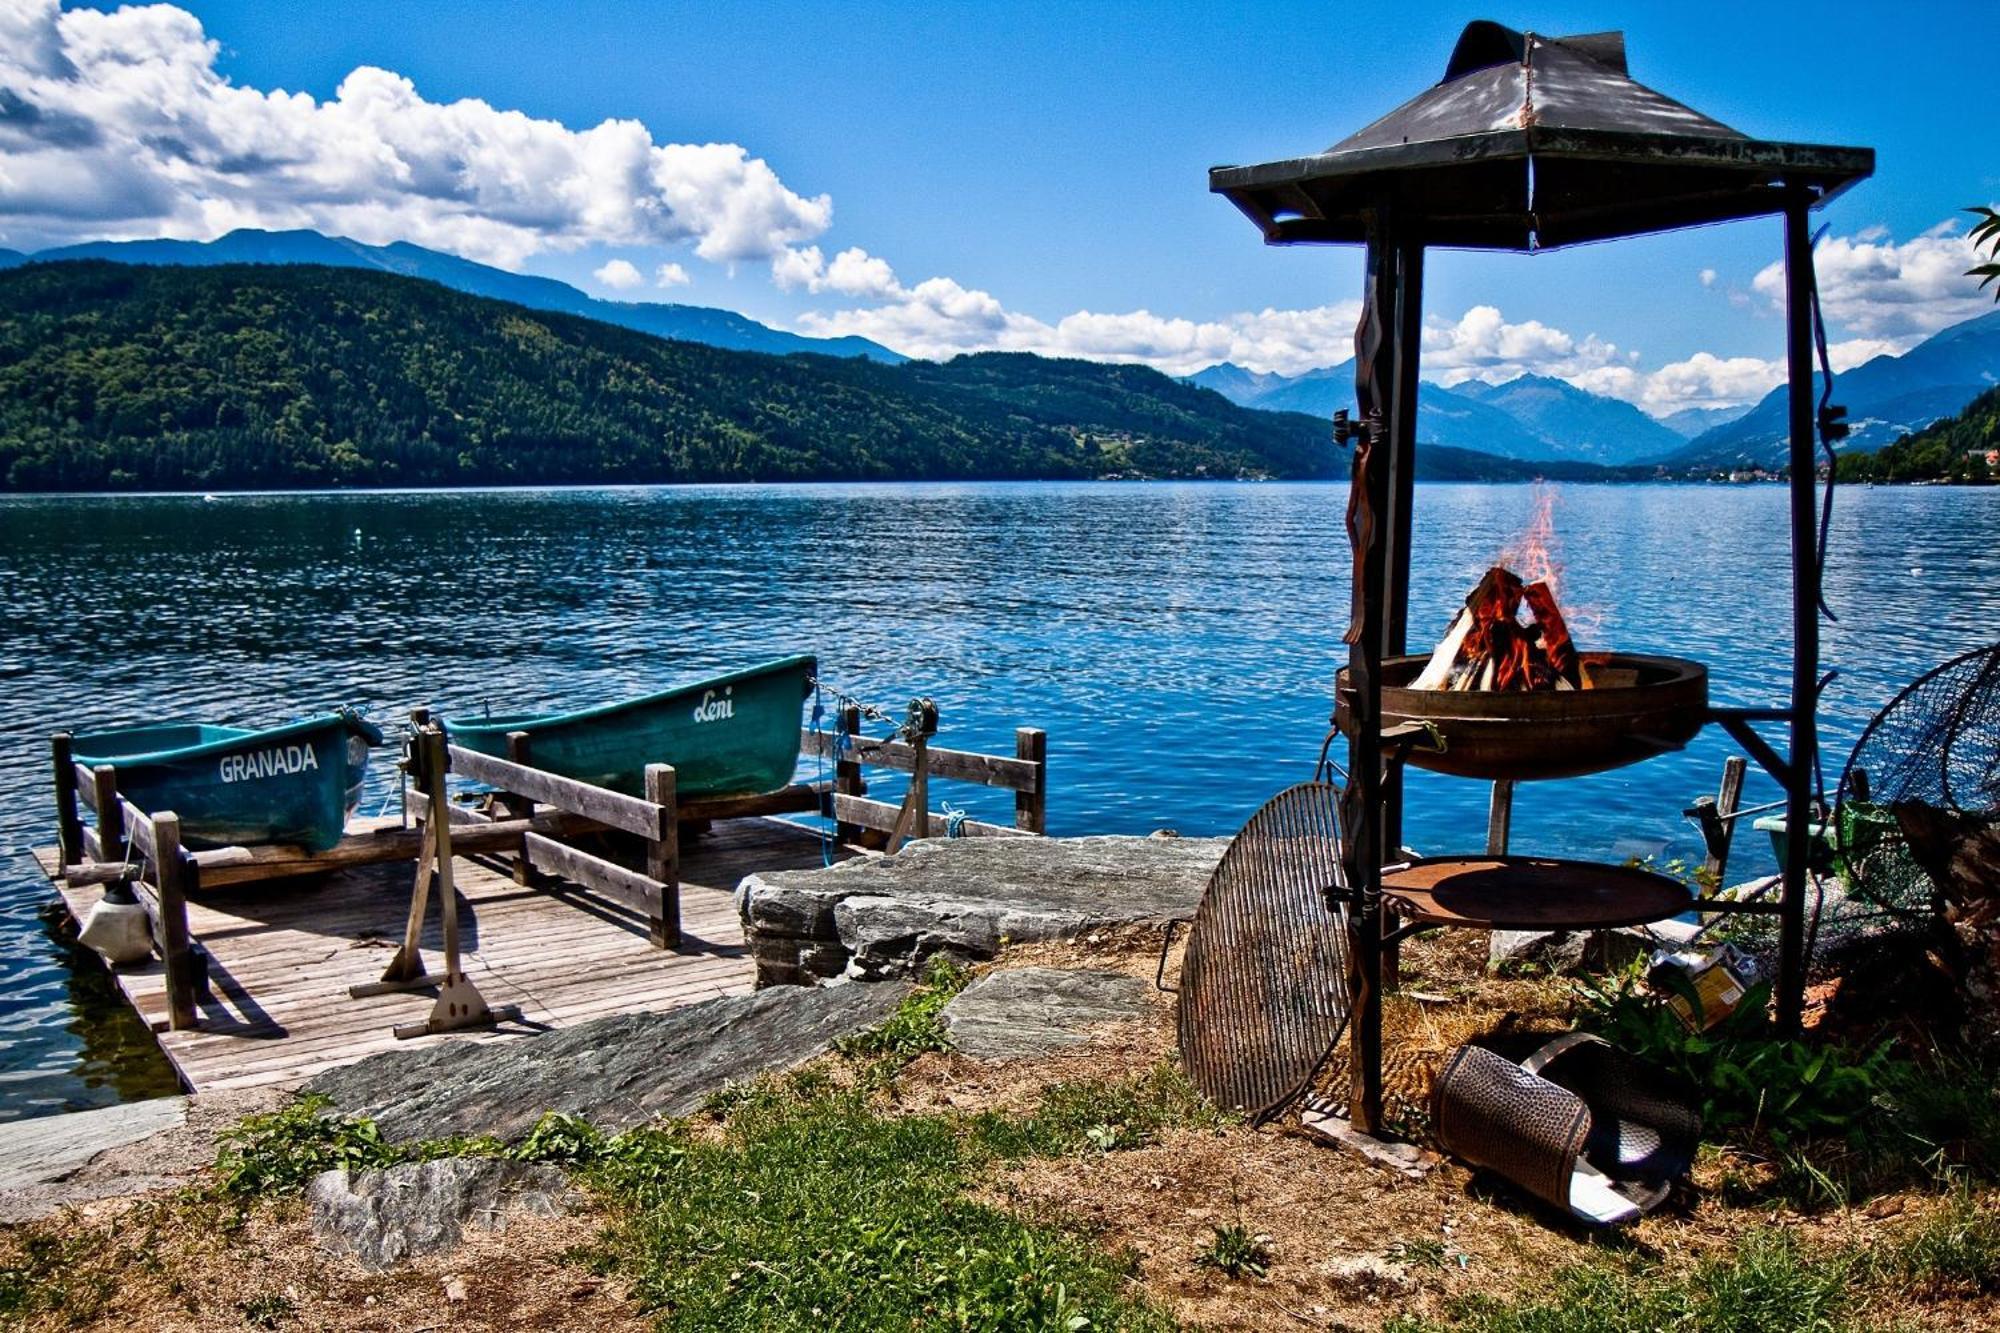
1166, 947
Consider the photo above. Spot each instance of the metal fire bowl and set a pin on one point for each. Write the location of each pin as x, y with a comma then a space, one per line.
1527, 735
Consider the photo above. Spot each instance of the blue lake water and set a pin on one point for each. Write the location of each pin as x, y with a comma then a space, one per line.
1178, 642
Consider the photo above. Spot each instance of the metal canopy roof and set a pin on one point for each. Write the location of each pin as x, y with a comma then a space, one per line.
1532, 142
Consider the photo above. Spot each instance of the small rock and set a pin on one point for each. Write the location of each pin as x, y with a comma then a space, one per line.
454, 1288
1566, 953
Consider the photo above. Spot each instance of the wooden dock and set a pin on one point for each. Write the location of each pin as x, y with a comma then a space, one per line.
282, 955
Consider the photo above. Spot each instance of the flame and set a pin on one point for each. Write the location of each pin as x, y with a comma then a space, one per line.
1534, 554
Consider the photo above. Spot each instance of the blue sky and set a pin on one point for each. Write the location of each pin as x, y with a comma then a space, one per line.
1028, 174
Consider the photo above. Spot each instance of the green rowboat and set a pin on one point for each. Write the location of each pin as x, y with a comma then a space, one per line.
233, 787
733, 735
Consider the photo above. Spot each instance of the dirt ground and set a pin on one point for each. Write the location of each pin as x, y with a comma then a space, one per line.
1349, 1243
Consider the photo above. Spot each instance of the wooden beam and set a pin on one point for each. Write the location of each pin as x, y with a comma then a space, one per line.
86, 784
881, 816
225, 866
69, 825
663, 859
641, 893
606, 807
847, 771
110, 813
138, 828
520, 807
1500, 817
170, 869
1728, 797
1031, 804
988, 770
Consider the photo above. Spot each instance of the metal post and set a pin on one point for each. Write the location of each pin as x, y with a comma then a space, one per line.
69, 824
1805, 611
1397, 522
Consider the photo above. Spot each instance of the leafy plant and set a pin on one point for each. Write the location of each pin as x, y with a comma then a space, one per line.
561, 1138
268, 1310
1234, 1252
1756, 1084
280, 1152
917, 1025
1986, 232
1423, 1252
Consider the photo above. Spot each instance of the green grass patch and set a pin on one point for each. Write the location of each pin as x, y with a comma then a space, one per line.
1768, 1286
1102, 1115
816, 1211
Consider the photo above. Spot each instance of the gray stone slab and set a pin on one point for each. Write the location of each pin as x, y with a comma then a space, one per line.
48, 1148
616, 1072
968, 896
385, 1216
1028, 1011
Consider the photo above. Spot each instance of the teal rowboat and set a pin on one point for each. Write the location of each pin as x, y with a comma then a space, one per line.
232, 787
733, 735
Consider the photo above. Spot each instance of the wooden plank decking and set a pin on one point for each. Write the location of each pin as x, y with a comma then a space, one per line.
282, 955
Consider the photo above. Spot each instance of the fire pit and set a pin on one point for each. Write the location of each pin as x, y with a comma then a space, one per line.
1658, 705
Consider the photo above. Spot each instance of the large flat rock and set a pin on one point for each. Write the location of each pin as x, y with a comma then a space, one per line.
1029, 1011
968, 896
615, 1072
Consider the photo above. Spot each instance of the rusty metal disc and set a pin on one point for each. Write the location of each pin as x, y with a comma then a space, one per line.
1532, 893
1264, 988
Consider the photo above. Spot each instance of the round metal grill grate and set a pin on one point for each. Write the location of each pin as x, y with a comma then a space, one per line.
1263, 989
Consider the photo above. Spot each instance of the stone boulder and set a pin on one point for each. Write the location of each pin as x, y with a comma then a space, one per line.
615, 1072
1029, 1011
964, 896
385, 1216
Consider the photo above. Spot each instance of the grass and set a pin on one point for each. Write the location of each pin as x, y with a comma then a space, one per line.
812, 1210
1234, 1252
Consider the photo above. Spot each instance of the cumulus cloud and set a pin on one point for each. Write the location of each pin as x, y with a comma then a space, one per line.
671, 275
1481, 344
1876, 288
618, 273
119, 124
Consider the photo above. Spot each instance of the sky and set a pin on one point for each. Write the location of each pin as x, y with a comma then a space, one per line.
956, 177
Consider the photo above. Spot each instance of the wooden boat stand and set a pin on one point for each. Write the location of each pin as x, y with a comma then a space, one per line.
459, 1004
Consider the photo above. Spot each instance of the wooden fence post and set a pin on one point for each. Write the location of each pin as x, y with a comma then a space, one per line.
1031, 808
110, 814
1499, 817
175, 952
69, 825
847, 772
1727, 798
663, 857
520, 807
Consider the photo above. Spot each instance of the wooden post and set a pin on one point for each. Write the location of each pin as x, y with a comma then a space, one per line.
69, 825
110, 814
847, 772
663, 857
1727, 798
1031, 808
520, 807
169, 877
1499, 817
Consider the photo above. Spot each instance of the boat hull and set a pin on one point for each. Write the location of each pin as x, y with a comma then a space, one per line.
233, 787
733, 735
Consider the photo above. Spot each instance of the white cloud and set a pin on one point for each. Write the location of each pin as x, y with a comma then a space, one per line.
119, 125
1481, 344
1875, 288
1708, 276
620, 274
671, 275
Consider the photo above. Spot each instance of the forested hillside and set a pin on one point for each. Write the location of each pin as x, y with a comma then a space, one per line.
249, 376
1954, 449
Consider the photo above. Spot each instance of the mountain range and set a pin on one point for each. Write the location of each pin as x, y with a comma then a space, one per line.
1533, 418
1538, 419
689, 323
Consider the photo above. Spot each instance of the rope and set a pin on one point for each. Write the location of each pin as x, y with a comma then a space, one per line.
955, 818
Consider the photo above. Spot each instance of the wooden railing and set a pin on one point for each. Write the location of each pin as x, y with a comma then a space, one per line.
137, 847
856, 816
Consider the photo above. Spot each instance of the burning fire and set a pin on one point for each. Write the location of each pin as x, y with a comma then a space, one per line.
1490, 645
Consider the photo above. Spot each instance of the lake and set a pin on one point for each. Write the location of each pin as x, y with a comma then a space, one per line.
1177, 641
